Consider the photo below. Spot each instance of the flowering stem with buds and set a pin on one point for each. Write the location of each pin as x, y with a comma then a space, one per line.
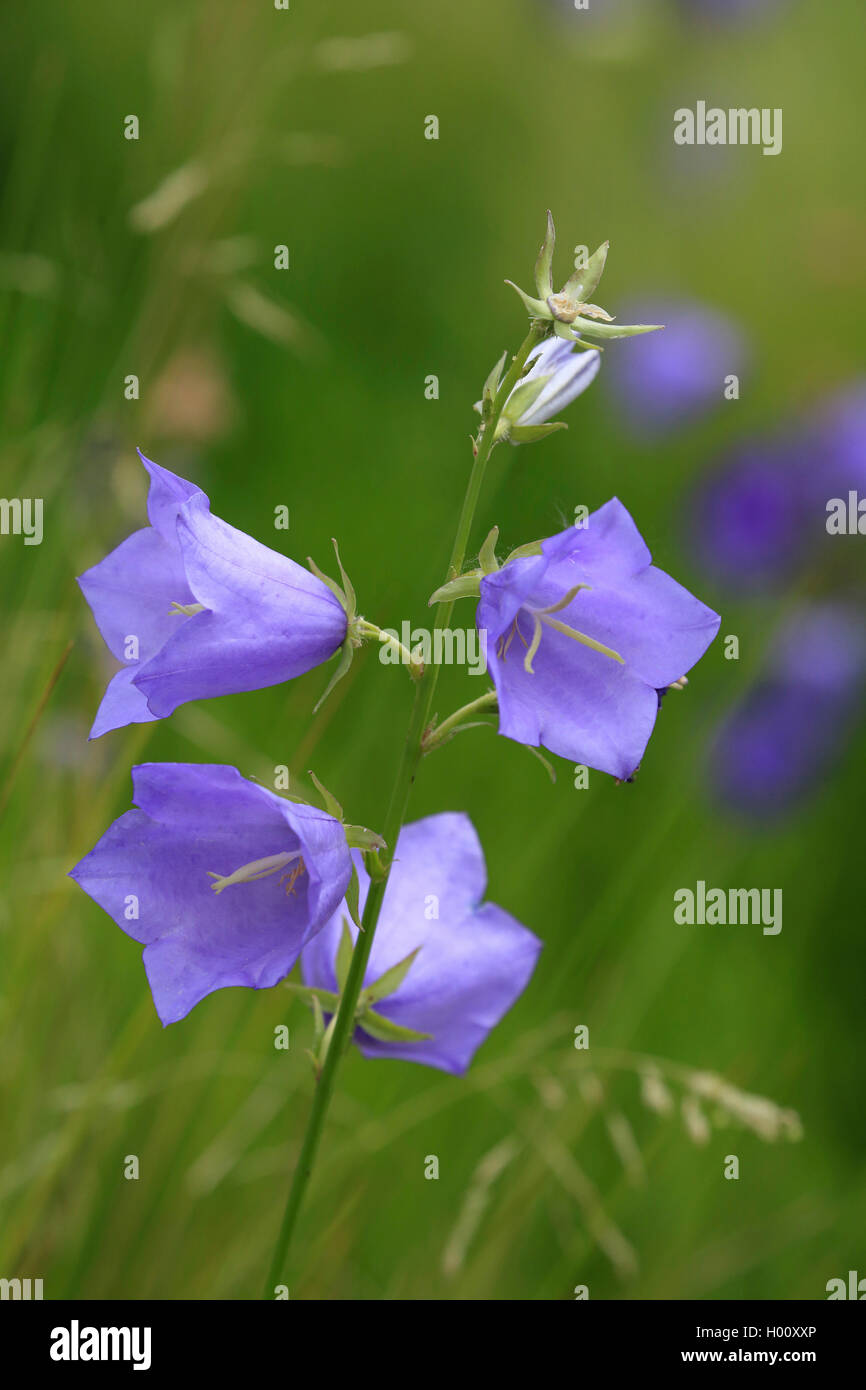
425, 690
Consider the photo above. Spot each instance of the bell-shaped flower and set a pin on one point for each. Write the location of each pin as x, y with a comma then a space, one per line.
222, 880
196, 608
558, 375
582, 634
444, 967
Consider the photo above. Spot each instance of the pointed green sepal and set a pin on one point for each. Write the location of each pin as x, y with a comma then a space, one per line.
544, 264
591, 328
385, 1031
347, 652
584, 282
491, 385
464, 586
536, 308
564, 331
318, 1022
332, 805
523, 397
353, 898
325, 998
332, 584
348, 588
487, 554
359, 837
344, 956
387, 983
522, 551
529, 434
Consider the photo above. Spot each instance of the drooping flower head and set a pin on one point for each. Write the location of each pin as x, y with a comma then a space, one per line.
557, 376
196, 608
222, 880
471, 960
581, 636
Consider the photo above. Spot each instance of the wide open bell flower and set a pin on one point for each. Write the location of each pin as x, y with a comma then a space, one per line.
196, 608
222, 880
582, 635
473, 959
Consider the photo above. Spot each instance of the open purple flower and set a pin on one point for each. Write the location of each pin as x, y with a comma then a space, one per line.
581, 636
222, 880
196, 608
473, 959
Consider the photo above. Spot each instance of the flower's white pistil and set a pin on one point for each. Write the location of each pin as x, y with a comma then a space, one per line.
185, 610
541, 618
263, 868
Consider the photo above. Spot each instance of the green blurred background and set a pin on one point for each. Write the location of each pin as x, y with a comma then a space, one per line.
306, 388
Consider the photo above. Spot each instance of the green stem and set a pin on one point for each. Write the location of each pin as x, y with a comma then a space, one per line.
425, 690
439, 734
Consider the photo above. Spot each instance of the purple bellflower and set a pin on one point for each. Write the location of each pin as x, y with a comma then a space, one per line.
783, 738
581, 636
749, 521
558, 375
196, 608
761, 516
222, 880
444, 967
661, 385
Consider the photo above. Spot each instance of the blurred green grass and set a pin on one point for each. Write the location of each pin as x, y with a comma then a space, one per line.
398, 251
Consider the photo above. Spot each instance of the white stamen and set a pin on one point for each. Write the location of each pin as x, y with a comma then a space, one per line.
257, 868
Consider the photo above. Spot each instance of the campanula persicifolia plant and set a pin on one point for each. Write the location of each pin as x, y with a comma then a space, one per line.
228, 883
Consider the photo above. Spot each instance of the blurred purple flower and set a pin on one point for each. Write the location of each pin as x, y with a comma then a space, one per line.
598, 631
474, 959
197, 608
840, 443
749, 521
729, 11
666, 381
184, 874
781, 741
760, 517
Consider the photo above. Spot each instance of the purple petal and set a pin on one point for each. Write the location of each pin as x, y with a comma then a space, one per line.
267, 619
166, 497
131, 591
577, 703
122, 704
202, 819
473, 962
570, 378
